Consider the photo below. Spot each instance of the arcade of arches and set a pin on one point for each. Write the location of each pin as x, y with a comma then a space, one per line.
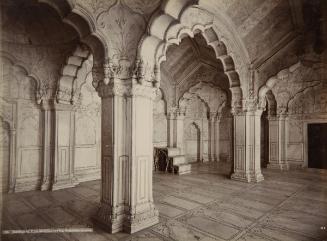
93, 90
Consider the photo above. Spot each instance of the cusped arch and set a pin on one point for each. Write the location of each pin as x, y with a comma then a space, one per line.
82, 21
288, 83
27, 71
171, 24
212, 96
66, 83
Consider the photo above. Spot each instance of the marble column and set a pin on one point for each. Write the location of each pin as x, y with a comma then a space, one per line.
247, 159
127, 157
47, 124
63, 141
277, 142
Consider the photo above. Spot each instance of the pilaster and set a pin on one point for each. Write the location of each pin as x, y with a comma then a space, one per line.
214, 122
12, 161
63, 142
180, 117
47, 149
171, 120
277, 143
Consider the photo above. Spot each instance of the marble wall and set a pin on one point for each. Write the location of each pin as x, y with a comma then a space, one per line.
308, 107
23, 127
300, 93
87, 161
160, 131
21, 114
196, 128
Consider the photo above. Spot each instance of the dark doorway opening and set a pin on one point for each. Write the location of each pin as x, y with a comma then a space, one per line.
317, 145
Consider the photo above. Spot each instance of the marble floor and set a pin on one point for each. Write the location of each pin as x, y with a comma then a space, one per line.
201, 206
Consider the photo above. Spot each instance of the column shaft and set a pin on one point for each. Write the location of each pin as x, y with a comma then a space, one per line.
127, 159
247, 159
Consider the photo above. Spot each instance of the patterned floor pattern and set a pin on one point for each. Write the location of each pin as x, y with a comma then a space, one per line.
203, 206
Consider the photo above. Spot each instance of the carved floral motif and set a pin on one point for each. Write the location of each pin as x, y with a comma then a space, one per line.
123, 29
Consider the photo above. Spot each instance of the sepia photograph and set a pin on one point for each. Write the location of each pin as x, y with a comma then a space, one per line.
163, 120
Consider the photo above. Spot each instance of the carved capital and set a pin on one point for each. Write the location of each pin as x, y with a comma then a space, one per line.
145, 73
176, 113
113, 89
237, 111
64, 95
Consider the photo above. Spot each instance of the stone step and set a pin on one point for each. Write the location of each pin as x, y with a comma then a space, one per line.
173, 151
177, 160
182, 168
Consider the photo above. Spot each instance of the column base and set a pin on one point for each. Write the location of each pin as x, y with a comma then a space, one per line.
139, 221
65, 183
109, 220
278, 166
247, 177
45, 185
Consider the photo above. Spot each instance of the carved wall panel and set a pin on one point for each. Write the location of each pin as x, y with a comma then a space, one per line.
29, 144
225, 139
159, 120
20, 108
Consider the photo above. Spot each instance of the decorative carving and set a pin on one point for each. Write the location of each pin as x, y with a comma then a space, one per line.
123, 29
214, 97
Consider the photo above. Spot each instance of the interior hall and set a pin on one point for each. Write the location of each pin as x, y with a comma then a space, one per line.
163, 120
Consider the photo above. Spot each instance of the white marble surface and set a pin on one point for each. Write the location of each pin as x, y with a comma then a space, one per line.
204, 205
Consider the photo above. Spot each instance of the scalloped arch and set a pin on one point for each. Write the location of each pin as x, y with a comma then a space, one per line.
170, 25
84, 24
